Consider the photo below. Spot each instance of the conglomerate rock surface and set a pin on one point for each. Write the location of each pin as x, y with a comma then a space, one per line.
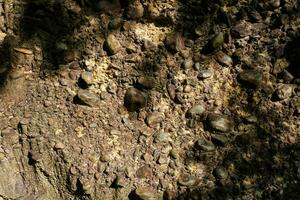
149, 99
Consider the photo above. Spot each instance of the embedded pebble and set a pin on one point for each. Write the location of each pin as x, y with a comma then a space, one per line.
171, 91
59, 145
219, 139
187, 180
196, 110
145, 193
113, 44
10, 135
219, 122
144, 172
253, 77
120, 181
163, 159
154, 119
188, 63
88, 97
287, 76
135, 10
153, 12
221, 173
280, 65
224, 59
147, 82
217, 41
204, 74
87, 77
284, 91
205, 145
242, 29
162, 137
134, 99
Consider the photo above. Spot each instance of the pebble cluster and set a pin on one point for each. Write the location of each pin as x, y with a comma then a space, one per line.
149, 99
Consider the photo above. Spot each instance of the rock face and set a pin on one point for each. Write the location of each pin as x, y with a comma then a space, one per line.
134, 99
101, 99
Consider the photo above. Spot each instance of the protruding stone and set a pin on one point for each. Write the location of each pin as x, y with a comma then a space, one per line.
187, 180
154, 119
221, 173
144, 172
224, 59
204, 74
219, 122
10, 135
88, 97
113, 44
280, 65
196, 110
134, 100
284, 91
135, 10
253, 77
217, 41
87, 77
205, 145
145, 193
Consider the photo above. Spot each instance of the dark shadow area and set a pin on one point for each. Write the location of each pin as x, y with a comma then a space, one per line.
51, 25
257, 163
292, 53
5, 57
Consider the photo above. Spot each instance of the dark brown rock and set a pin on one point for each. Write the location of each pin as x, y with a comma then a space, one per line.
134, 100
144, 172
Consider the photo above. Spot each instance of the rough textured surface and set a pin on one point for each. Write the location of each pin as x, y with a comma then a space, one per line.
149, 99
